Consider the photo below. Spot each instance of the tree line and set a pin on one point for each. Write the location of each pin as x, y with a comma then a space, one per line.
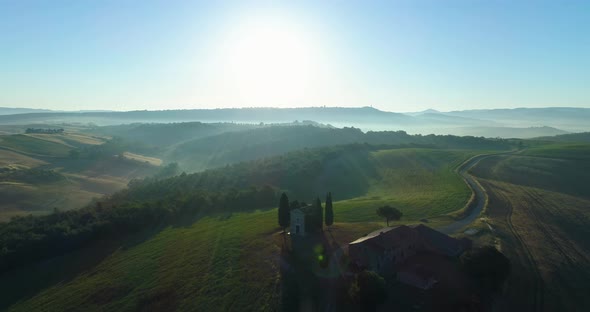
32, 238
46, 131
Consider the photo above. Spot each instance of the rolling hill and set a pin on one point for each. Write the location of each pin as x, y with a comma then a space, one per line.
227, 148
583, 137
203, 263
38, 173
506, 132
566, 118
14, 111
366, 118
538, 213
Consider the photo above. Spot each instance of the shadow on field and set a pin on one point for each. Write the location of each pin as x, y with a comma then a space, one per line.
313, 274
27, 281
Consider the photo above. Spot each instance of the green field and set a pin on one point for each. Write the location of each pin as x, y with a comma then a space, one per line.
575, 151
205, 265
28, 144
215, 264
422, 183
17, 160
556, 167
231, 262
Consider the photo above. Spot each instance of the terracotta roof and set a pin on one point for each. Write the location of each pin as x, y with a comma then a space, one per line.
389, 236
371, 235
444, 243
392, 236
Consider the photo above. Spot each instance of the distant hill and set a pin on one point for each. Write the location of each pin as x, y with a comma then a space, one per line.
436, 118
365, 118
345, 116
232, 147
507, 132
583, 137
566, 118
13, 111
163, 135
427, 111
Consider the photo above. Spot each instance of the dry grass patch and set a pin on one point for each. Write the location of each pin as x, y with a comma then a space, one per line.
545, 236
143, 159
10, 158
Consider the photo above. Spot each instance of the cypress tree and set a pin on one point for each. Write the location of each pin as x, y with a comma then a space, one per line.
284, 212
319, 214
329, 211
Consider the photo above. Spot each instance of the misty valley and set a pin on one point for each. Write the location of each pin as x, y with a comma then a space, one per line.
131, 214
296, 156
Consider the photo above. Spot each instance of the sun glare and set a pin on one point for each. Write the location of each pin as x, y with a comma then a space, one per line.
269, 62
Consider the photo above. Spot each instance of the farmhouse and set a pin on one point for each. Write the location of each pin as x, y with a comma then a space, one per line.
388, 251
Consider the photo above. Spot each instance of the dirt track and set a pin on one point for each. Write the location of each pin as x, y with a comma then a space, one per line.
480, 196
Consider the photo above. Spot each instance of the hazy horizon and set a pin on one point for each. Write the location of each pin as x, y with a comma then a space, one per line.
393, 56
298, 107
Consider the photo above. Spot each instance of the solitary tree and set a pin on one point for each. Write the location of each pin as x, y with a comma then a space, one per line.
284, 213
389, 213
488, 267
329, 211
318, 214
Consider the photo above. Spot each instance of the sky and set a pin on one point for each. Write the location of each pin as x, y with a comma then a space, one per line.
398, 56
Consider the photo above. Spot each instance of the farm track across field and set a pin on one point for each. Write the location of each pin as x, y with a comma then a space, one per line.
538, 287
480, 198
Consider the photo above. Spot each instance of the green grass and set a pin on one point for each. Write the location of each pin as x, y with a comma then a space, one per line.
208, 265
422, 183
233, 263
573, 151
216, 264
31, 145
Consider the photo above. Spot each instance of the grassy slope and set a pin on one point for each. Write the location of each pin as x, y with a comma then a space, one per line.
560, 167
144, 159
70, 139
32, 145
221, 264
16, 160
77, 190
572, 137
213, 265
84, 180
421, 182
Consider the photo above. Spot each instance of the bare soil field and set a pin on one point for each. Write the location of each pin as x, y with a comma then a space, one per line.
545, 235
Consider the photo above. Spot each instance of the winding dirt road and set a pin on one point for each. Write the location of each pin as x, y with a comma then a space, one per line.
480, 198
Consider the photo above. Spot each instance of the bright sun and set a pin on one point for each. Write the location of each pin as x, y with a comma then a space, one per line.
269, 62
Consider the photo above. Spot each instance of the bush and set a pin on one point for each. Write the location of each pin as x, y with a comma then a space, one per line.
369, 290
488, 267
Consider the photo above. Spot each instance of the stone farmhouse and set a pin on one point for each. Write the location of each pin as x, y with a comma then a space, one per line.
388, 251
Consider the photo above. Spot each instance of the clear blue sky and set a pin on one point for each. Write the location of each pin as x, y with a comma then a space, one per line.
393, 55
